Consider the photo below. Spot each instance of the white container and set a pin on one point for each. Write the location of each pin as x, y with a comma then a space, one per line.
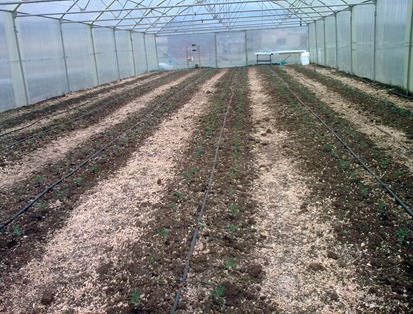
305, 58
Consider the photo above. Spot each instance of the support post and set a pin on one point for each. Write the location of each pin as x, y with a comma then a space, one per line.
375, 41
351, 40
315, 41
216, 51
325, 41
146, 53
336, 24
246, 48
409, 48
133, 53
64, 56
156, 53
116, 53
21, 76
94, 55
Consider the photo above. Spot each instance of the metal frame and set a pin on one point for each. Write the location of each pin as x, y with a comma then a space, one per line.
183, 16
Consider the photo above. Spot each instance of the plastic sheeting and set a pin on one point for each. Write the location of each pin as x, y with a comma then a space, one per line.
344, 41
106, 57
330, 41
372, 41
80, 61
231, 49
152, 58
124, 52
391, 30
139, 53
42, 57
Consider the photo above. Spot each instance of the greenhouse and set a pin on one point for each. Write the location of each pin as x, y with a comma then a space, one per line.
206, 156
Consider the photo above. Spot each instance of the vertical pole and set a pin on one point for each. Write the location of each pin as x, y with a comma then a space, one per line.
351, 40
116, 53
216, 51
325, 41
375, 41
315, 39
409, 47
64, 56
199, 56
336, 24
146, 54
246, 48
156, 52
133, 53
94, 55
19, 55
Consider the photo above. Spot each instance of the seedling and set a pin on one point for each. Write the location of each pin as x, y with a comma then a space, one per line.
39, 179
382, 209
344, 164
229, 263
384, 163
79, 181
402, 235
17, 231
136, 297
234, 209
173, 206
233, 228
94, 168
152, 259
364, 192
218, 295
179, 195
163, 232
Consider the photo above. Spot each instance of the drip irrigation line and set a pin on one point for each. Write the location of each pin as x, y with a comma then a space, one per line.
201, 211
83, 163
91, 94
358, 158
87, 113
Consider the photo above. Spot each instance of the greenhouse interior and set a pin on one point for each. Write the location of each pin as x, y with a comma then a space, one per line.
206, 156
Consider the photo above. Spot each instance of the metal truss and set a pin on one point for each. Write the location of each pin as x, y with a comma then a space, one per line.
165, 17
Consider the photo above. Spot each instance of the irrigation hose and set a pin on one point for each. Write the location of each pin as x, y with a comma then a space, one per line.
79, 166
358, 158
201, 211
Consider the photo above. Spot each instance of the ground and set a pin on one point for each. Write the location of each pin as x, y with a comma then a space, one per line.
241, 190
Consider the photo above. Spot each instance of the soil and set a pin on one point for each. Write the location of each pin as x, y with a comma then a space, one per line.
291, 223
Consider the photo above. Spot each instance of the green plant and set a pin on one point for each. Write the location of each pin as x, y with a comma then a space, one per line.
218, 294
79, 181
17, 231
163, 232
234, 209
384, 163
179, 195
39, 179
152, 259
40, 205
173, 206
382, 209
402, 234
229, 263
136, 297
364, 191
344, 164
94, 168
233, 228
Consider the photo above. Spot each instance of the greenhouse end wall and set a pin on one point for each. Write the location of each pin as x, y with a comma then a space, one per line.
43, 57
372, 41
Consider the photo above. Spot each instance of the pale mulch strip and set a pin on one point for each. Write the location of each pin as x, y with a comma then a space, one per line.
366, 87
296, 234
105, 222
57, 149
64, 112
70, 95
395, 145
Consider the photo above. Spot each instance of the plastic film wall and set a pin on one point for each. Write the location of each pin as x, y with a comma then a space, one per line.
228, 49
41, 57
370, 40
